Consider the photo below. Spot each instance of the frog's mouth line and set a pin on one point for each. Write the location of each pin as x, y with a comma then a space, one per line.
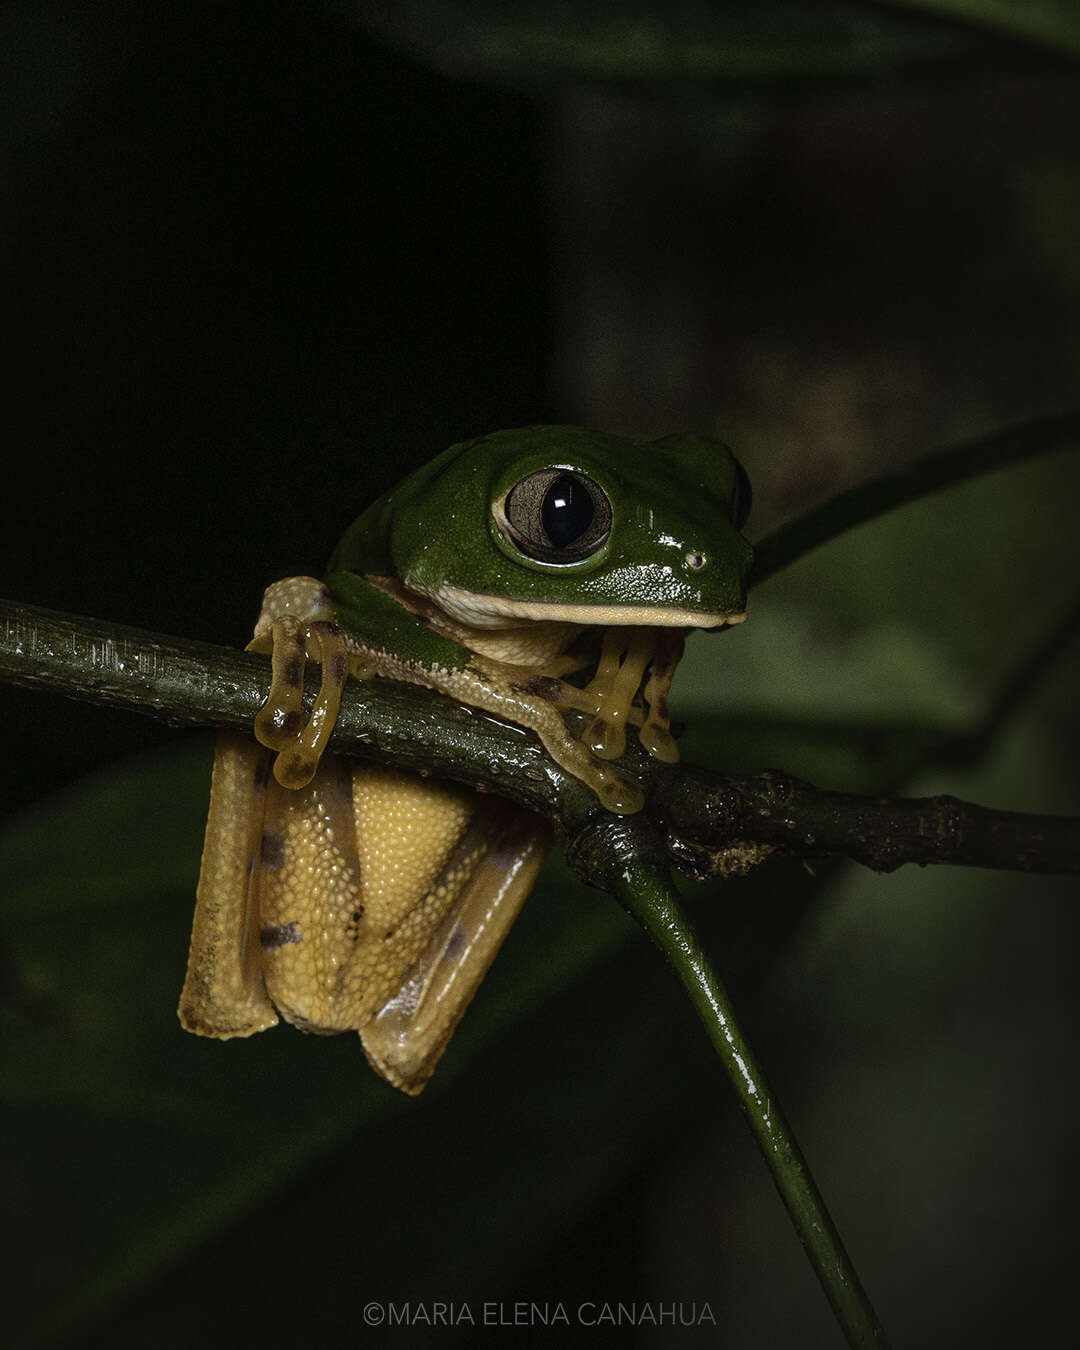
493, 611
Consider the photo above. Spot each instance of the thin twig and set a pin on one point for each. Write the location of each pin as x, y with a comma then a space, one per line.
712, 819
642, 886
714, 822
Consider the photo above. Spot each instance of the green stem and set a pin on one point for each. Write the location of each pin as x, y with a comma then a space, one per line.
646, 892
918, 478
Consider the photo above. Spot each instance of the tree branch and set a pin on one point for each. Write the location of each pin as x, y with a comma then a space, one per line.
712, 819
714, 823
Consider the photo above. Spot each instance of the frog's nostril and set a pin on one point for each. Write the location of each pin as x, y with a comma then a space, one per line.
695, 561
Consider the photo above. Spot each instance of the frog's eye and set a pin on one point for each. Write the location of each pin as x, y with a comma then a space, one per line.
557, 516
742, 498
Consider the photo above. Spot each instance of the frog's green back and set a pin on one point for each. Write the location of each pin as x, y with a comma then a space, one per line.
365, 545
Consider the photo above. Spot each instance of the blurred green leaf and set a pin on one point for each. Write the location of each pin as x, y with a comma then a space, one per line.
1053, 22
864, 659
542, 43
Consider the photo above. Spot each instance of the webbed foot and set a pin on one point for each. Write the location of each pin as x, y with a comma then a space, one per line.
611, 695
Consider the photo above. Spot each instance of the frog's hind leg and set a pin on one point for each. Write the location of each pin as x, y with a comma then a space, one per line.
223, 993
383, 899
407, 1036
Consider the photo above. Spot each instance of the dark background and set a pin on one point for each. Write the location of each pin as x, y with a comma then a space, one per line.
263, 259
259, 267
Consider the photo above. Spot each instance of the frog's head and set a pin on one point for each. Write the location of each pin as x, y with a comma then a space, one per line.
553, 522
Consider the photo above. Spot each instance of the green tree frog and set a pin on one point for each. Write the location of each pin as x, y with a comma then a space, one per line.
528, 573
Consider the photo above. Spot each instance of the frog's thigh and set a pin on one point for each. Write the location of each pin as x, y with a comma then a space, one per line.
223, 993
357, 870
405, 1040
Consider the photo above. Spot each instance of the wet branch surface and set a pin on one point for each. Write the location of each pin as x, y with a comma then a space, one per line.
713, 823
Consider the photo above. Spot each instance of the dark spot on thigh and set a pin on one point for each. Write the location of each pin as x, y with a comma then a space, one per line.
272, 935
273, 851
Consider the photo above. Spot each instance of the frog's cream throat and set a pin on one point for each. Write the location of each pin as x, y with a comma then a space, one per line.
493, 611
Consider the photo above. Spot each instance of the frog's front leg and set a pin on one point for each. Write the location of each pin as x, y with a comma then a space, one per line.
536, 700
295, 626
626, 655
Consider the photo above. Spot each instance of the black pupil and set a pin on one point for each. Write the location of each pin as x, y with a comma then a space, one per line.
567, 511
